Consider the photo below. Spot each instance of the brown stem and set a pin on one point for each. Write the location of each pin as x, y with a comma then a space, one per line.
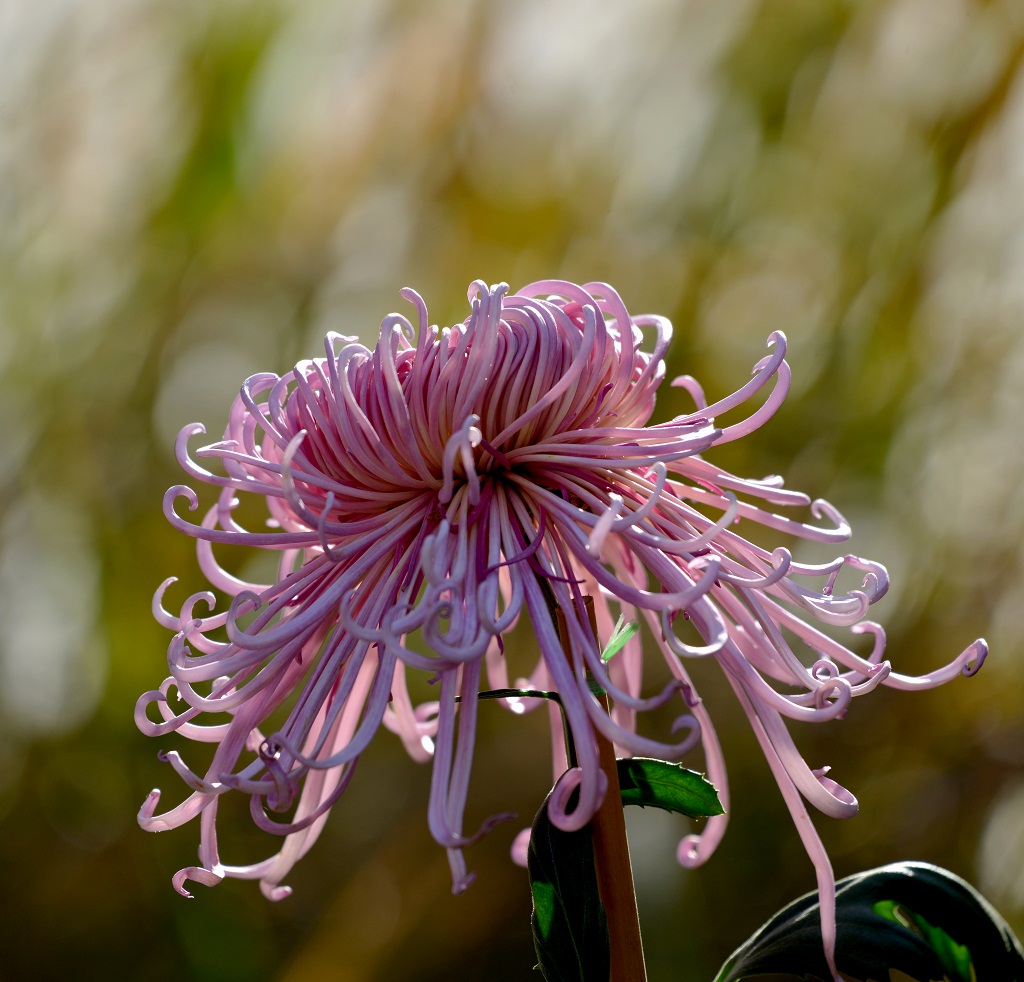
611, 853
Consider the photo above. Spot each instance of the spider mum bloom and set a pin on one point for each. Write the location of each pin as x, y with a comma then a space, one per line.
441, 483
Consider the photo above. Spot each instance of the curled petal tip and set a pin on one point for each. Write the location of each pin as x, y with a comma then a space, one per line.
838, 802
520, 848
190, 430
690, 696
974, 657
880, 671
149, 806
198, 874
687, 722
688, 852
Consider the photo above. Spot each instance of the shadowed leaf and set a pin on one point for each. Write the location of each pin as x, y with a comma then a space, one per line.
570, 929
913, 917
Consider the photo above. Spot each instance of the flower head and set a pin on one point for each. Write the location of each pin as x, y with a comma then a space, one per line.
441, 483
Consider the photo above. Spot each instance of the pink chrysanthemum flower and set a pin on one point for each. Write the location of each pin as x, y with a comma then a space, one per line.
439, 484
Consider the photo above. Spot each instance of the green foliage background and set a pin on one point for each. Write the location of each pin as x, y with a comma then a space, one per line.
191, 192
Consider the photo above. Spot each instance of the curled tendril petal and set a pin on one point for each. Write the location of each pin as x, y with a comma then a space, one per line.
189, 776
565, 814
151, 821
693, 547
197, 874
967, 663
187, 618
637, 745
281, 793
604, 525
820, 508
421, 493
461, 445
181, 452
833, 694
416, 726
824, 669
275, 892
771, 404
782, 560
973, 657
519, 850
321, 528
633, 519
171, 721
163, 617
623, 698
765, 369
695, 849
694, 388
263, 821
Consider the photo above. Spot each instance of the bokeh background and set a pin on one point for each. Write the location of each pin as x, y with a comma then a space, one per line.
191, 192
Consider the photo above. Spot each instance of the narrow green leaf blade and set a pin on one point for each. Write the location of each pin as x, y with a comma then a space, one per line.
621, 634
659, 784
570, 927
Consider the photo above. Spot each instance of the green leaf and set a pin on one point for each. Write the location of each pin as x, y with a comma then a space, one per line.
659, 784
621, 633
955, 958
914, 917
570, 928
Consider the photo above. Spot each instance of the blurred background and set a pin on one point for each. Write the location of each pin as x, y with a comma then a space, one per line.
191, 192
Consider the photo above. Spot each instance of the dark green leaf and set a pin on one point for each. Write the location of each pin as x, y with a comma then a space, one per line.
914, 917
955, 958
659, 784
570, 928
